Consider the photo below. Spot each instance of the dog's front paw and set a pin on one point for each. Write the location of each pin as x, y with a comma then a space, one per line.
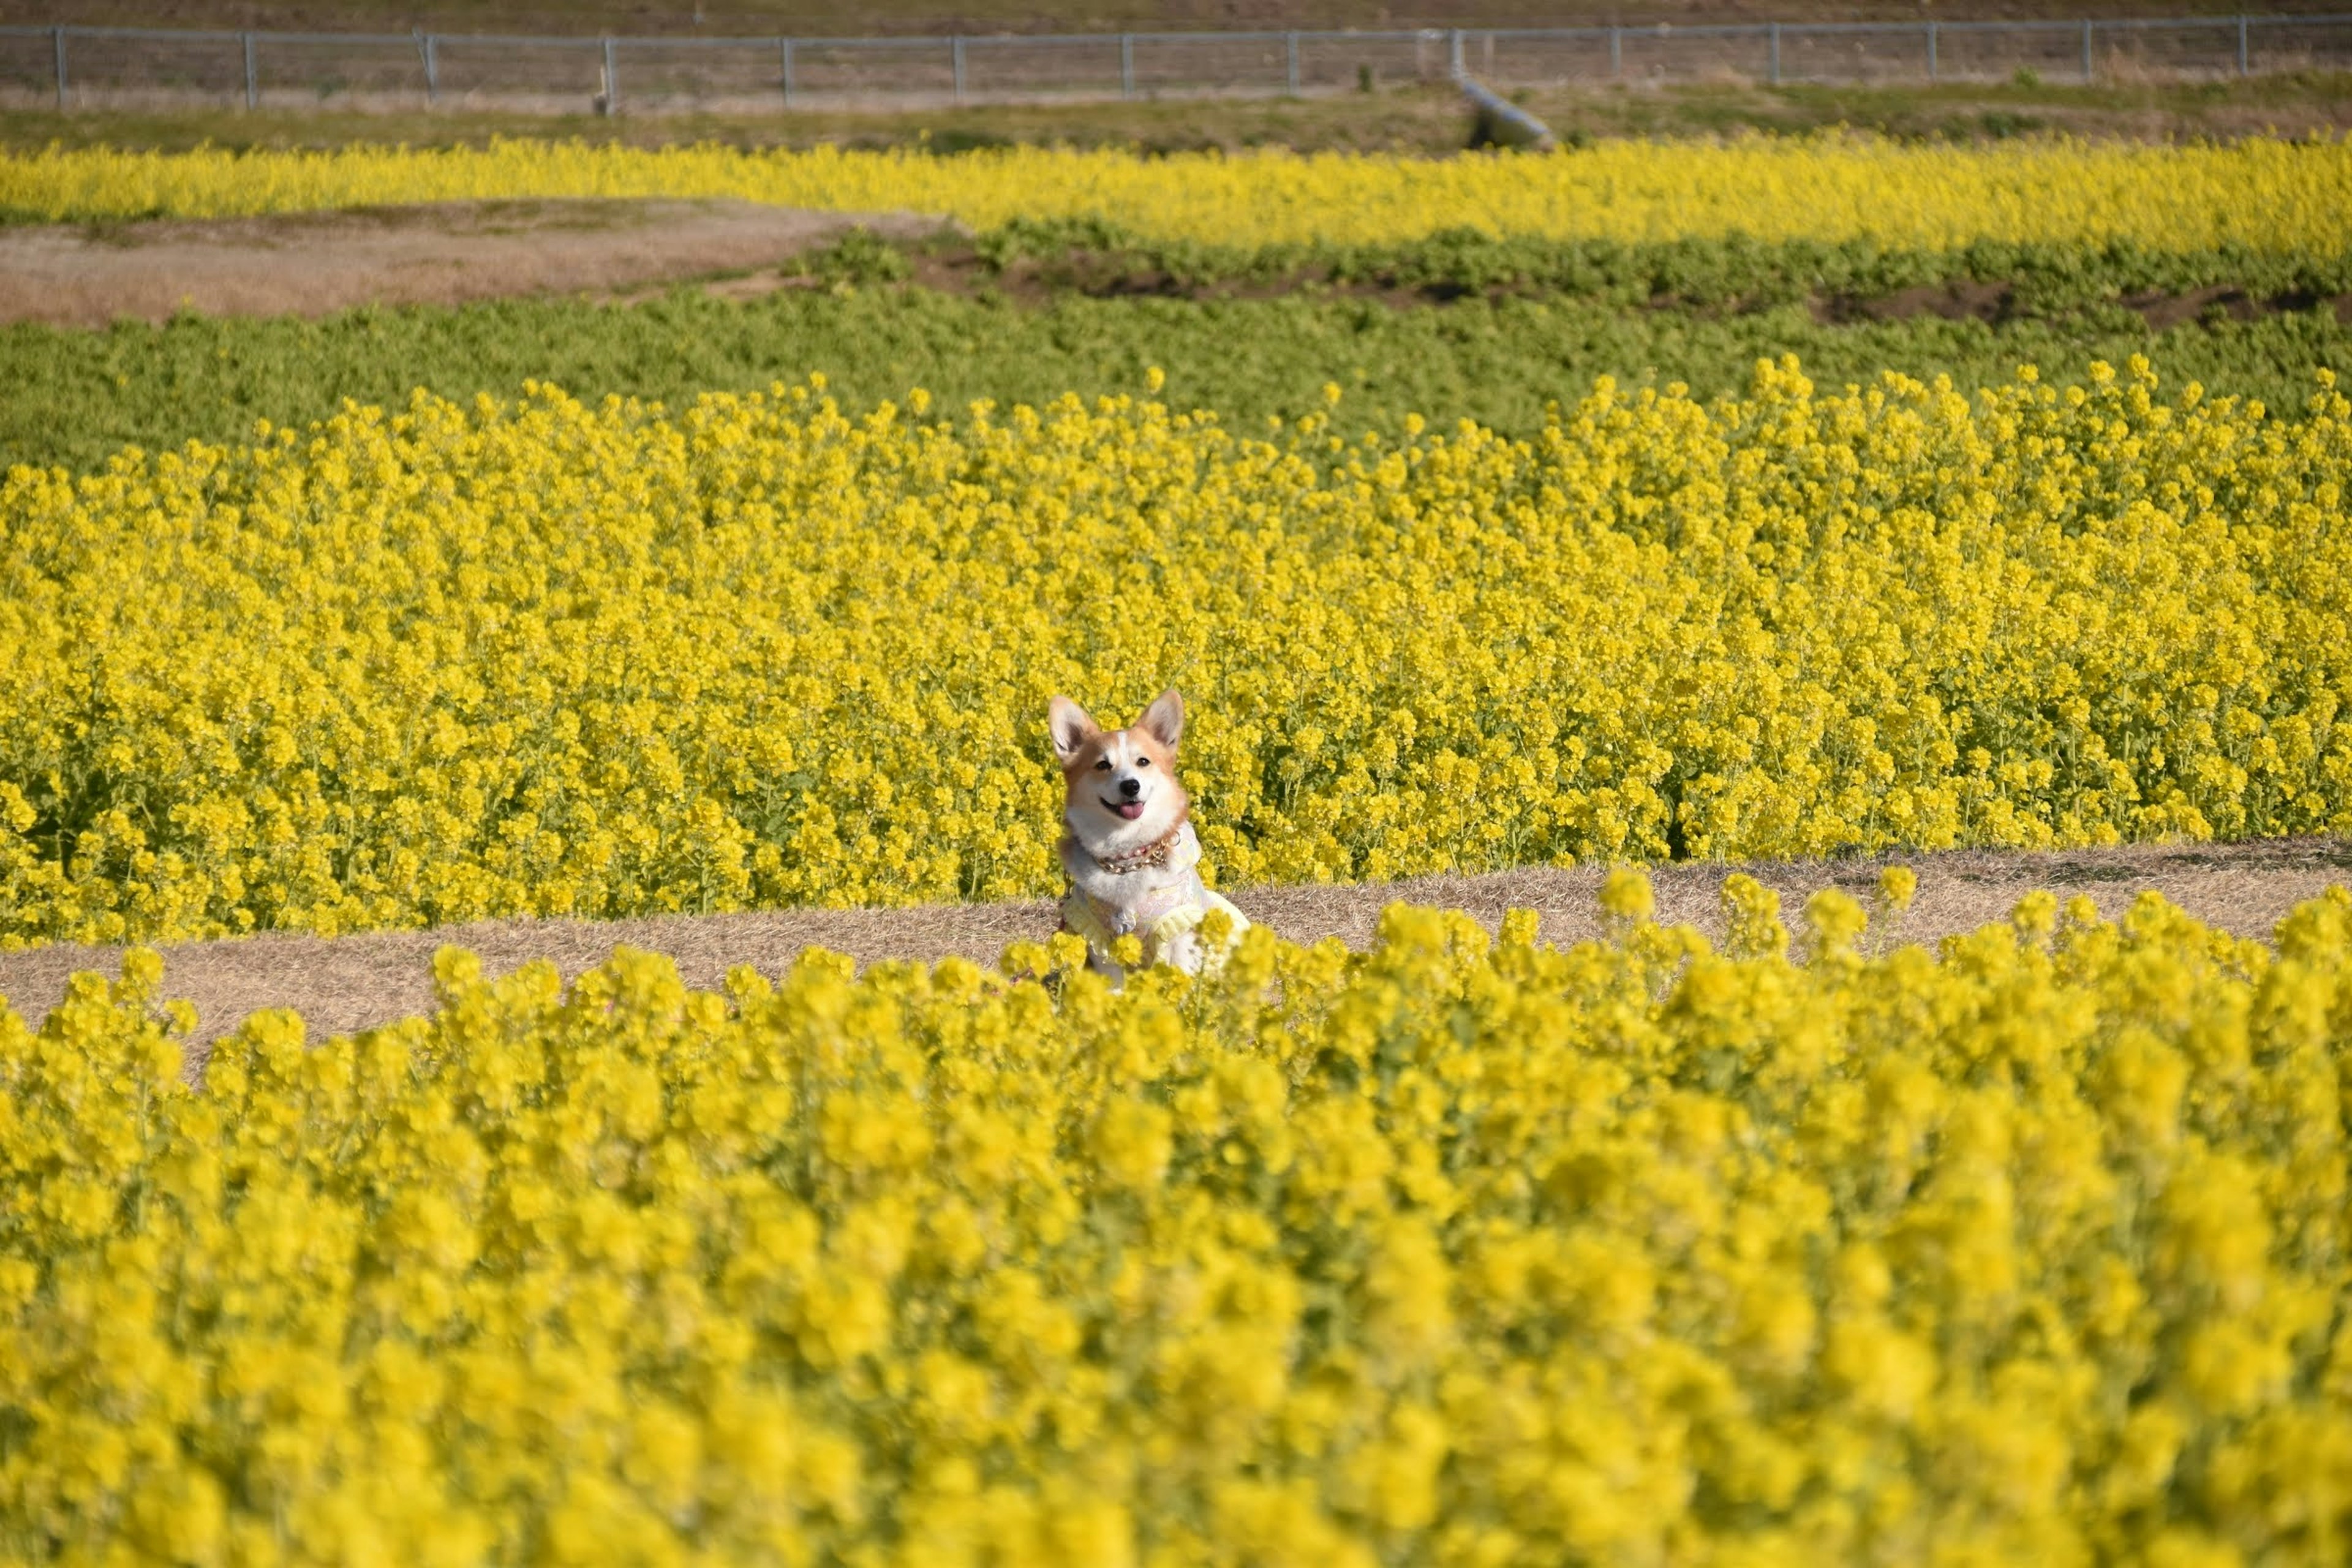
1185, 951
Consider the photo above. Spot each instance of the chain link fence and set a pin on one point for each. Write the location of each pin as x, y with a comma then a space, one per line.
126, 67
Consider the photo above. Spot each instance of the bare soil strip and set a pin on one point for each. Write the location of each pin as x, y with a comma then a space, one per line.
346, 984
433, 254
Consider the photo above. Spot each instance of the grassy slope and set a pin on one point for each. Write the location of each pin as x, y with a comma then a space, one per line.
1413, 119
77, 396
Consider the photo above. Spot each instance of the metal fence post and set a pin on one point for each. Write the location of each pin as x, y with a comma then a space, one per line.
1931, 51
611, 82
2242, 47
955, 51
1126, 65
784, 49
1776, 54
1616, 53
1454, 66
2087, 51
252, 75
58, 36
1290, 62
432, 70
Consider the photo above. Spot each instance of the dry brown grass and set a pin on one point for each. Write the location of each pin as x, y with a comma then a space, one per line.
436, 254
1409, 117
351, 982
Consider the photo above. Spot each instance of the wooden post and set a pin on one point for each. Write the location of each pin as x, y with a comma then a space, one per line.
956, 52
611, 82
1290, 62
58, 35
1126, 65
1616, 52
252, 74
2242, 47
2087, 51
784, 49
1776, 54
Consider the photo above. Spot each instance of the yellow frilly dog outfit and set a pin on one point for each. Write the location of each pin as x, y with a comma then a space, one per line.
1177, 905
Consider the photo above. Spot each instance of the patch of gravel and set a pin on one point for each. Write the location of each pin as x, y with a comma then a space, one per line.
345, 984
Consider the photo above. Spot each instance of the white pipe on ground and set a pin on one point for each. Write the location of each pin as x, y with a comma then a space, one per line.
1502, 123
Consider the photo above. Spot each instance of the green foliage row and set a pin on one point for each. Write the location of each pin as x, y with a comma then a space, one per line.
1736, 272
72, 397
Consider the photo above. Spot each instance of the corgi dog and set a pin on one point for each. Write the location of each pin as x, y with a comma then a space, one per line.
1133, 860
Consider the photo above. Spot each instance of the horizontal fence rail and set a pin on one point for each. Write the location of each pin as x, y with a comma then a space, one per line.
94, 67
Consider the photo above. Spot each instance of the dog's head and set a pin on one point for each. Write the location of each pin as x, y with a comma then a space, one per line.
1123, 792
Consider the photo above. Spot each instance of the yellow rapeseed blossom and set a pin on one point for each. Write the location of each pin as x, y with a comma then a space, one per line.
419, 666
2265, 194
2034, 1250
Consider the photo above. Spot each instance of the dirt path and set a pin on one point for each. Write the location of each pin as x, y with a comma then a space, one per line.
438, 254
351, 982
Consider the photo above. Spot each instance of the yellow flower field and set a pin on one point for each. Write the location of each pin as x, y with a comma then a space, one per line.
421, 666
2270, 196
1443, 1254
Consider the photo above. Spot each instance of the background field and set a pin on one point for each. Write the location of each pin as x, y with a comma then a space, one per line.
1495, 332
1894, 265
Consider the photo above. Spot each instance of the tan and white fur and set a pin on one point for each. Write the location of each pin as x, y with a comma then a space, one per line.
1131, 853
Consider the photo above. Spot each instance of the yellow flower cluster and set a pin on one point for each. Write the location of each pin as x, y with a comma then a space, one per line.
417, 667
1443, 1253
2265, 194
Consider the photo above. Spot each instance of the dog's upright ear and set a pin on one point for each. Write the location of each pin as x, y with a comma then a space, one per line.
1164, 720
1071, 726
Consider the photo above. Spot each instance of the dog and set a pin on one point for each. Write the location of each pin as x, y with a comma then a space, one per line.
1132, 855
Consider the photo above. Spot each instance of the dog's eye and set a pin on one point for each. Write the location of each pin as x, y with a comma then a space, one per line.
1145, 763
1103, 766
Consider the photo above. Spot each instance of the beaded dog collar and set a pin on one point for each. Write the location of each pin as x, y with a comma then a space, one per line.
1155, 853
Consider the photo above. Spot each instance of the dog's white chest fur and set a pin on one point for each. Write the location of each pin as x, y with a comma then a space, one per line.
1163, 904
1131, 901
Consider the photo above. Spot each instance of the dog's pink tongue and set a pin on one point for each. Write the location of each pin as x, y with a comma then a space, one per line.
1129, 809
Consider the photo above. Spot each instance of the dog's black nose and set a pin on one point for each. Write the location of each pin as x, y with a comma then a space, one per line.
1130, 788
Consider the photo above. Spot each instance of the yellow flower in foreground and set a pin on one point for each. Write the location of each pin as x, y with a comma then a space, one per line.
1437, 1253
